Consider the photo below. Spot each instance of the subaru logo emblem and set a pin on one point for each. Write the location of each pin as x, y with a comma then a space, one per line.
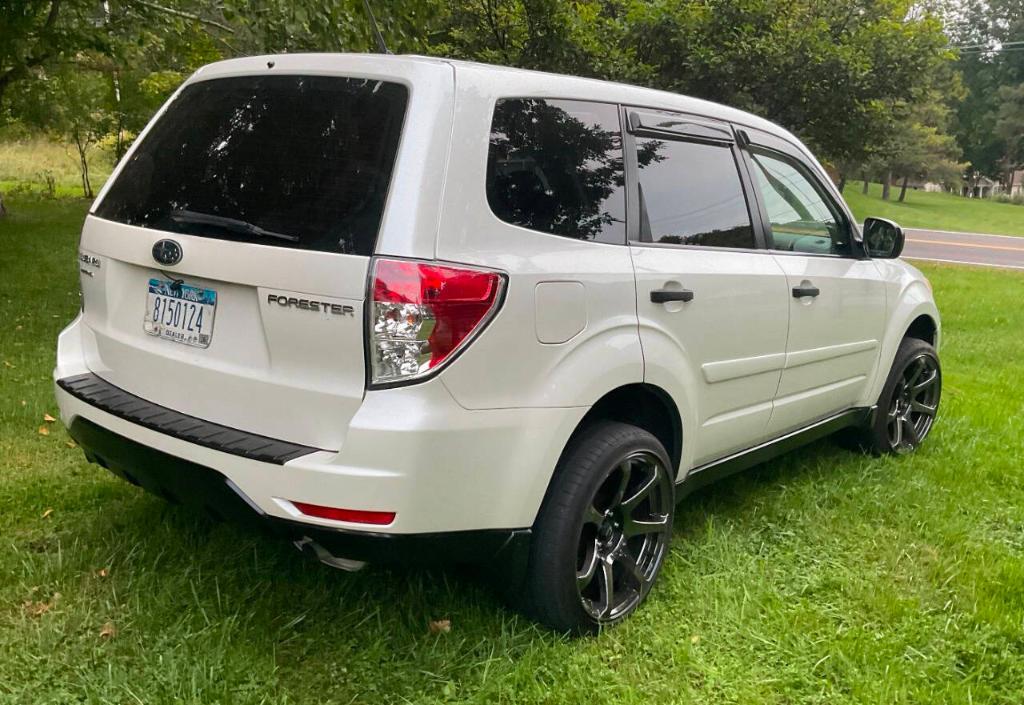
167, 252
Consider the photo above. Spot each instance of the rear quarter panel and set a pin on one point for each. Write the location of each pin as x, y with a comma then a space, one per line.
509, 366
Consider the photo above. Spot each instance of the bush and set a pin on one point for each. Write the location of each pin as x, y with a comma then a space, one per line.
1017, 199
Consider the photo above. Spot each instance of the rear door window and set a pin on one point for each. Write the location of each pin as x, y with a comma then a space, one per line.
289, 161
555, 166
691, 194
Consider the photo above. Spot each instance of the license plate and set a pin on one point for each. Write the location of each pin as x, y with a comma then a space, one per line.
179, 312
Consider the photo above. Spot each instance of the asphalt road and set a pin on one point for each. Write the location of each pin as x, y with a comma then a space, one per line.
966, 248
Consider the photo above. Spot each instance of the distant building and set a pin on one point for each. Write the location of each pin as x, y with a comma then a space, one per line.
980, 187
930, 186
1017, 189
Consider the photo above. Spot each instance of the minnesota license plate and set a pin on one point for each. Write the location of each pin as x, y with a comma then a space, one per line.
179, 312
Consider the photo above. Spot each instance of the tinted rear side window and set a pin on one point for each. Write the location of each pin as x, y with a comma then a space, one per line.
556, 166
691, 194
293, 161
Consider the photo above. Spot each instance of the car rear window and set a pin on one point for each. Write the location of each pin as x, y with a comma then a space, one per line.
289, 161
556, 166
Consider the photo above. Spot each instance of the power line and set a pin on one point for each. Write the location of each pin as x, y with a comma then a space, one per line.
982, 53
987, 46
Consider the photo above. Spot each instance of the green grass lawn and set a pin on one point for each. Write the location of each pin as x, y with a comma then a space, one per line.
823, 577
936, 211
25, 163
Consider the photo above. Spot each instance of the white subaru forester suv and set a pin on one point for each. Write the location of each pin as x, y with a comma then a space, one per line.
402, 309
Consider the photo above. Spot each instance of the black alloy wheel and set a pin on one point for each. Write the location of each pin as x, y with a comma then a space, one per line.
603, 529
914, 403
908, 405
624, 537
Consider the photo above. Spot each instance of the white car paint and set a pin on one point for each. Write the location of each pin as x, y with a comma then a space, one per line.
475, 446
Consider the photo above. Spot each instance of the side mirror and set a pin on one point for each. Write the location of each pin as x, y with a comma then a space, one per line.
883, 239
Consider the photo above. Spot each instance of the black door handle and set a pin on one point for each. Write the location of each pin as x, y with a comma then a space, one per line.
661, 296
801, 291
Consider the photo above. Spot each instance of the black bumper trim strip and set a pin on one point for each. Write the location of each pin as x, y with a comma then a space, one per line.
96, 391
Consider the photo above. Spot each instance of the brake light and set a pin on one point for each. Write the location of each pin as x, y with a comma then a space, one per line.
358, 516
423, 314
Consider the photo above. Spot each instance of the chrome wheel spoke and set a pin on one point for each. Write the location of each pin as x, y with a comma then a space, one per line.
626, 471
586, 576
655, 525
644, 491
918, 366
911, 431
896, 433
925, 383
607, 585
922, 408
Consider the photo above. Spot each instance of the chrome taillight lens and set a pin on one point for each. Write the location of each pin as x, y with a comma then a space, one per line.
423, 314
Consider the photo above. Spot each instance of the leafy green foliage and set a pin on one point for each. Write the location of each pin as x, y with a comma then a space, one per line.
74, 105
1010, 124
917, 148
827, 70
37, 33
990, 77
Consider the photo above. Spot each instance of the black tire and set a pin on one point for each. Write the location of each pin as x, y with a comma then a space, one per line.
909, 401
607, 514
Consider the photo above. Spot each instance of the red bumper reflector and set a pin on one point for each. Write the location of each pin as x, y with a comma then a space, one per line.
357, 516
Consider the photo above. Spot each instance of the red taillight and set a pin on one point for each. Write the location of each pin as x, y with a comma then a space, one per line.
423, 313
357, 516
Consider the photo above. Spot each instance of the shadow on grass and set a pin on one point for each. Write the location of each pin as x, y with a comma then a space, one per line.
732, 497
176, 556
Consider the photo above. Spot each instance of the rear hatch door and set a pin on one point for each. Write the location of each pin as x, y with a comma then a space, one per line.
224, 270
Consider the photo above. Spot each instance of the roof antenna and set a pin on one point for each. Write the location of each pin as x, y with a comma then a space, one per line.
382, 48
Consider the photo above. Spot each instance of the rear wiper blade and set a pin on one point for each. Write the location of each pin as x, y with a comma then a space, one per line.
232, 224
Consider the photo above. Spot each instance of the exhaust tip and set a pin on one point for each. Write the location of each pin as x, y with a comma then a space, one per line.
311, 548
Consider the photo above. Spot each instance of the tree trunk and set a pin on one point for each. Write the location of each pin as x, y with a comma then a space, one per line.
842, 182
886, 185
83, 165
903, 189
119, 146
864, 188
3, 209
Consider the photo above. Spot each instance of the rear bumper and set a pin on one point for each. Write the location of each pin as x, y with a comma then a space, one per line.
204, 489
413, 451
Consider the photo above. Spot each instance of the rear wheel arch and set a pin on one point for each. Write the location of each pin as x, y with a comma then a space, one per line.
643, 405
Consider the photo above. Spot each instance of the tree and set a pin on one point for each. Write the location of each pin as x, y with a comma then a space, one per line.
1010, 128
74, 105
829, 70
916, 147
982, 27
826, 70
38, 33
